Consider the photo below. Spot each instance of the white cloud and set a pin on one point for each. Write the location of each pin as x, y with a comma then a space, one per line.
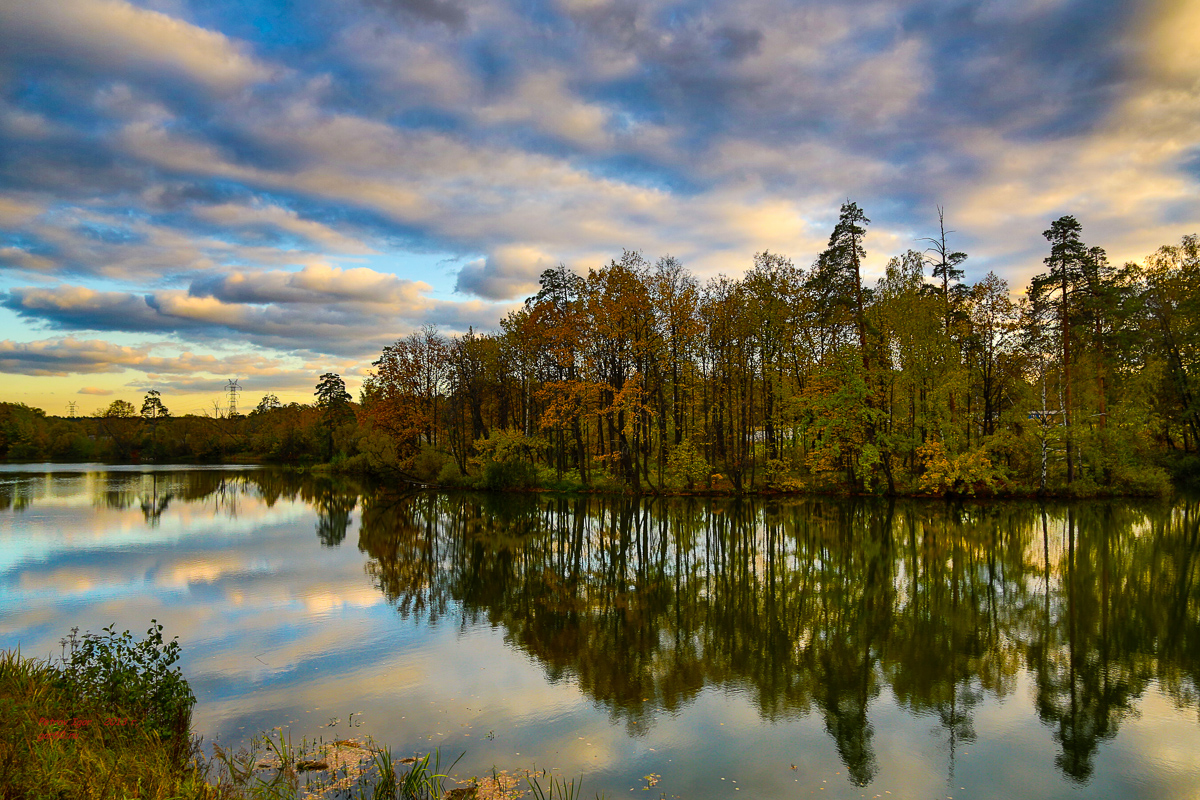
116, 36
76, 356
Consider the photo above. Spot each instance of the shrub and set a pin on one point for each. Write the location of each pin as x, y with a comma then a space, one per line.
135, 677
449, 474
509, 475
508, 458
71, 729
429, 463
686, 465
967, 473
1184, 468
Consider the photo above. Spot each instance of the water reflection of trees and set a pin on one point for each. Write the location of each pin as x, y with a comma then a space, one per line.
218, 492
817, 605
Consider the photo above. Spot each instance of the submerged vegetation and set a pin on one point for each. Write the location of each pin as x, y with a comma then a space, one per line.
638, 378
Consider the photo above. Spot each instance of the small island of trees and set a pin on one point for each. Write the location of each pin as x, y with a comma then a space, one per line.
638, 377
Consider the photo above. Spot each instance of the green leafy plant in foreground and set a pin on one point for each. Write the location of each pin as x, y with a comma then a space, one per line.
119, 672
111, 721
64, 735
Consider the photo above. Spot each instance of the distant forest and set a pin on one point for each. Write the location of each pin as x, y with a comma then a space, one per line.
638, 377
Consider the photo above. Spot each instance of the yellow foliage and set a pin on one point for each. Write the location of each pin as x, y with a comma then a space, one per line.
962, 474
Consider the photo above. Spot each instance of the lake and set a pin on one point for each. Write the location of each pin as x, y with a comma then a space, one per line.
789, 647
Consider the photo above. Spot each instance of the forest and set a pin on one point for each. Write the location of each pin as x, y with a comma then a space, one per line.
639, 377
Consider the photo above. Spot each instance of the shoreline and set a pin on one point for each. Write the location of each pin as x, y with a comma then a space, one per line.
1091, 492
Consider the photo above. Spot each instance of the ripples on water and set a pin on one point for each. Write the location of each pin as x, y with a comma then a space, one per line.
778, 647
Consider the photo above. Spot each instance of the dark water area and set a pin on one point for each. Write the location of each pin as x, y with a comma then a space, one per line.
692, 647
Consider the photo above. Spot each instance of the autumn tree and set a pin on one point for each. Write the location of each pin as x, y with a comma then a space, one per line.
1172, 337
622, 353
993, 341
675, 297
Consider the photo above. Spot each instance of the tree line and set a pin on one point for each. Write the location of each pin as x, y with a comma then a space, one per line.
292, 433
638, 376
793, 378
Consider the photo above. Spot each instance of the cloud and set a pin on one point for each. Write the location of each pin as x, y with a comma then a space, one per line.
543, 100
83, 308
93, 356
259, 215
351, 312
112, 36
452, 14
505, 274
95, 391
15, 212
76, 240
318, 284
735, 42
213, 180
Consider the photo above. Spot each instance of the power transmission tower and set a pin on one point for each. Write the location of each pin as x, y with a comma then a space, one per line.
232, 389
71, 409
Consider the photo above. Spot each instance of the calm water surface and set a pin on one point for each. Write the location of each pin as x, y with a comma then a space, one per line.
782, 648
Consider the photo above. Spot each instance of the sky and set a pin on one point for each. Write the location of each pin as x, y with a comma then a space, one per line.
198, 190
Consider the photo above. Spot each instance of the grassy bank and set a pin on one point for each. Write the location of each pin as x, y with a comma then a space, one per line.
111, 720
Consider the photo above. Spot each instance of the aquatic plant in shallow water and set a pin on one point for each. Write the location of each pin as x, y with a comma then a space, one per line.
560, 789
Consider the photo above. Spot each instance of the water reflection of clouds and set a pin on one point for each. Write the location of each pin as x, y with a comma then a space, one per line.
76, 550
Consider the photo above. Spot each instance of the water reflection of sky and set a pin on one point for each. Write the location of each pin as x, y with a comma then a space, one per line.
280, 630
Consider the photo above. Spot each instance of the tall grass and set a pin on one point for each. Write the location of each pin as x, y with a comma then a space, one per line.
57, 741
421, 782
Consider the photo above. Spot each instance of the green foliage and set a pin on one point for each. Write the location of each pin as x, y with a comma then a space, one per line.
686, 465
449, 474
152, 406
120, 409
423, 781
59, 740
429, 463
23, 432
550, 480
507, 459
1184, 469
380, 450
269, 403
120, 672
560, 789
509, 475
331, 392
